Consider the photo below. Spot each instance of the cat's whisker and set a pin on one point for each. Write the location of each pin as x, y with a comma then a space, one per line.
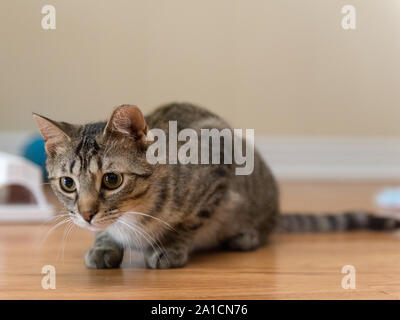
143, 233
134, 229
62, 246
160, 245
151, 240
138, 237
127, 243
150, 216
106, 219
121, 229
54, 218
60, 223
67, 237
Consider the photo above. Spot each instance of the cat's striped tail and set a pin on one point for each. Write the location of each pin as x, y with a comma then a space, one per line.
348, 221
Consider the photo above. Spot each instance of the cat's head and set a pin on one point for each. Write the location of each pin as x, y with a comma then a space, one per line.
98, 170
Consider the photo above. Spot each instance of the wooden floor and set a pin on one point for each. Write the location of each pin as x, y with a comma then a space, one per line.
291, 267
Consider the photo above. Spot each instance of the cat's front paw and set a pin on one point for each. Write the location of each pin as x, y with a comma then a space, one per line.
166, 259
103, 258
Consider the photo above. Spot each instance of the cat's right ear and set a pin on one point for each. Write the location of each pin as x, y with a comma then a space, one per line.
127, 120
53, 133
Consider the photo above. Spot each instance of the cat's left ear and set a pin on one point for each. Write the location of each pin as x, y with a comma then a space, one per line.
127, 120
55, 134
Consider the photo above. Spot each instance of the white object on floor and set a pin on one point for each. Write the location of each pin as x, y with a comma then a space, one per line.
15, 170
389, 198
388, 202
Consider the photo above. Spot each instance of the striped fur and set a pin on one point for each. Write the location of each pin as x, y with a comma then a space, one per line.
348, 221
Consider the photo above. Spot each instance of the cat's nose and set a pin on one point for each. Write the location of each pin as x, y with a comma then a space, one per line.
88, 215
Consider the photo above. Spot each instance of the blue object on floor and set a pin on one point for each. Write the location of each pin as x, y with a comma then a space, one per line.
34, 151
389, 197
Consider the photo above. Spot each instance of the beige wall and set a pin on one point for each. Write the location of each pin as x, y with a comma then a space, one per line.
281, 67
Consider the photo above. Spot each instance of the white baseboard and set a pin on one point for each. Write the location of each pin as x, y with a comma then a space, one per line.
339, 158
294, 157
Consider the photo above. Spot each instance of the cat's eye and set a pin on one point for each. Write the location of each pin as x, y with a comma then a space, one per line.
112, 180
67, 184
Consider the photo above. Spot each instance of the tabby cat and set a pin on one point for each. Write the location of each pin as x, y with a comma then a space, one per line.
100, 173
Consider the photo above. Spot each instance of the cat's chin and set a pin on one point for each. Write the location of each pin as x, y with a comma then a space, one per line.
94, 228
91, 227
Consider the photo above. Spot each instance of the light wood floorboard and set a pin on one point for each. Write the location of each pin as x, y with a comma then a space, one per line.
293, 266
